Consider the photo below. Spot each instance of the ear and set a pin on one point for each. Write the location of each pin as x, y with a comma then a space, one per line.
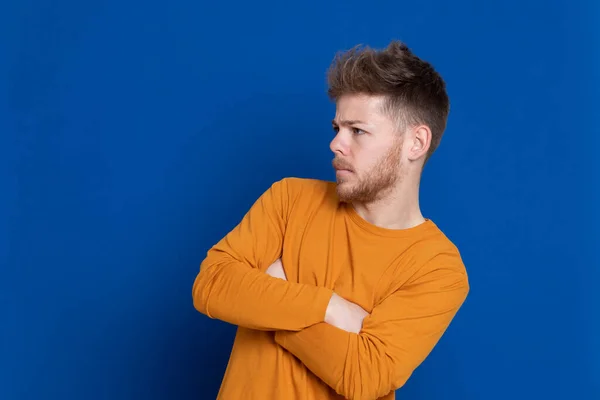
419, 143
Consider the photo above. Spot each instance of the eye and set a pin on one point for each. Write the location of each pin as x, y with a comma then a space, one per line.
336, 129
358, 131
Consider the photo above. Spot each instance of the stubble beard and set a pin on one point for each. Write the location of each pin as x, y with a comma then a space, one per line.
374, 184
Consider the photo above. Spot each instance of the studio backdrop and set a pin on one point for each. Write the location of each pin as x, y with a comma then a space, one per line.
135, 134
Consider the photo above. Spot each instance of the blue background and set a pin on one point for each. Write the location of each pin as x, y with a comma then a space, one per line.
135, 134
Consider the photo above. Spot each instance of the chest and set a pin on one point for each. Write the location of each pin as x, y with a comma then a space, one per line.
330, 251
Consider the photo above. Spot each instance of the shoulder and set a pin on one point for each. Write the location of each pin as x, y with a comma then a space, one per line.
437, 245
297, 184
304, 189
438, 255
299, 196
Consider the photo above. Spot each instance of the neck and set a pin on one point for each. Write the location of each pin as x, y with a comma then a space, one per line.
396, 209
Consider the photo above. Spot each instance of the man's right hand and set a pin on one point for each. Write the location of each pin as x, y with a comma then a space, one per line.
276, 270
344, 314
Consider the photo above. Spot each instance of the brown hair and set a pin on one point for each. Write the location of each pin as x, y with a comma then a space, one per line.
415, 93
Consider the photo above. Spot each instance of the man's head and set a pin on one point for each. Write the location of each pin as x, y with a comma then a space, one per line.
391, 112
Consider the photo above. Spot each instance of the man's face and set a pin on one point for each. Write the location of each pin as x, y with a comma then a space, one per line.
367, 149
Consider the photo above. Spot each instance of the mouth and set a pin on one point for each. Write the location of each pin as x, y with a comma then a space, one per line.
340, 167
342, 173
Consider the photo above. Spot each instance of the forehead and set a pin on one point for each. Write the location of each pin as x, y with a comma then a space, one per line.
360, 107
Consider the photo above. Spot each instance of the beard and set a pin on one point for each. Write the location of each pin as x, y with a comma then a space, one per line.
371, 185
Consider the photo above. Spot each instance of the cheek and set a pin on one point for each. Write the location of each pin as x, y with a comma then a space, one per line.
368, 159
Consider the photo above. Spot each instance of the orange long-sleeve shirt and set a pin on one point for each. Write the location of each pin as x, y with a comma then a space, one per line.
411, 281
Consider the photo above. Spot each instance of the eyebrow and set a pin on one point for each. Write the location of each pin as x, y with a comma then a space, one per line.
348, 122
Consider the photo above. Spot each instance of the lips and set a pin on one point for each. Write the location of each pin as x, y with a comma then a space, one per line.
339, 165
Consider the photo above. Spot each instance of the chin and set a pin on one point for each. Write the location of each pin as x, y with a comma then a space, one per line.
344, 192
342, 184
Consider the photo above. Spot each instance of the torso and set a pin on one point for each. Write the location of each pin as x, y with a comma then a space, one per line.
326, 244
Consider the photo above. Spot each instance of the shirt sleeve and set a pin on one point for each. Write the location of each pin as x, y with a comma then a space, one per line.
231, 285
395, 339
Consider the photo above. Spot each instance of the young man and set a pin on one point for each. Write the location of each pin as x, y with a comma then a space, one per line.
341, 289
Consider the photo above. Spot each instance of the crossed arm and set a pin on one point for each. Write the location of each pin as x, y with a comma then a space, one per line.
339, 313
359, 355
366, 356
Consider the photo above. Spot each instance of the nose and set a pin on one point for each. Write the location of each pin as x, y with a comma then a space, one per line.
338, 145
